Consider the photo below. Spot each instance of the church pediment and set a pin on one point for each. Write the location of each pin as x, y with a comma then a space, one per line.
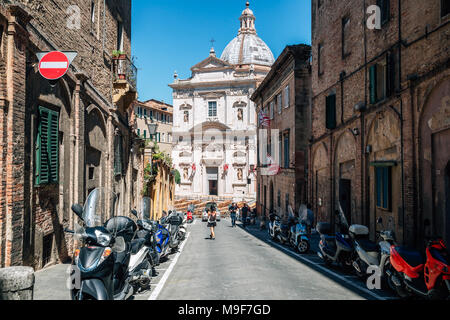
211, 63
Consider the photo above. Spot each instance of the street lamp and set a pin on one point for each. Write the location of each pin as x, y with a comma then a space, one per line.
152, 127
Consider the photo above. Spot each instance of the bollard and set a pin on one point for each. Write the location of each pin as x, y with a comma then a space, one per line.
16, 283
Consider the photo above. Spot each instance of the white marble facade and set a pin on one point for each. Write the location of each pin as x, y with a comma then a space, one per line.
214, 120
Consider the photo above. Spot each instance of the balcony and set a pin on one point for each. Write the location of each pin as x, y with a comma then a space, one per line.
124, 69
124, 80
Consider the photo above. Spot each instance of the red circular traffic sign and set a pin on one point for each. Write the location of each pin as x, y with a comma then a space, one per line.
53, 65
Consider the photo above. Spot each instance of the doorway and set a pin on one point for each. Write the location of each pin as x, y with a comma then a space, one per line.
212, 176
345, 188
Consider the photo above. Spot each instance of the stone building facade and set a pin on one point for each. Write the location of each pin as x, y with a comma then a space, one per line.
284, 96
160, 113
380, 115
215, 121
61, 139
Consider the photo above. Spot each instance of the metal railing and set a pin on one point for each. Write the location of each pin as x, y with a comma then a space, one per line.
124, 69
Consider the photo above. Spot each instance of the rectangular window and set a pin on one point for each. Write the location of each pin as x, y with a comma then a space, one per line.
280, 149
445, 8
330, 111
118, 153
145, 134
320, 59
272, 107
383, 185
139, 132
279, 103
47, 147
287, 96
92, 15
378, 82
212, 109
151, 114
385, 10
286, 150
119, 35
287, 202
145, 113
345, 30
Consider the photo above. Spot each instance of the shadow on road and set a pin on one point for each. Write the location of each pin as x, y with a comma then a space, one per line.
348, 280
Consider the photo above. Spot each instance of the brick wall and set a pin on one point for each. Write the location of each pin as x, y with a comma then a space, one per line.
420, 32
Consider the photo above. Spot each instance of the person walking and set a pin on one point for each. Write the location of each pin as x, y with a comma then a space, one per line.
232, 208
212, 222
244, 212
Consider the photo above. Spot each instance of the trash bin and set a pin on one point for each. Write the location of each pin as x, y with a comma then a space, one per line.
16, 283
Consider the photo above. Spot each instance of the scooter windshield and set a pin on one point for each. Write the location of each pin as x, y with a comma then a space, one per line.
306, 216
343, 219
100, 206
145, 209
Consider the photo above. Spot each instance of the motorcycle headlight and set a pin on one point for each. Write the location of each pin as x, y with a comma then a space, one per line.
103, 239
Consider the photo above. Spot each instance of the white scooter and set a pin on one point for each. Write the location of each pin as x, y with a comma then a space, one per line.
140, 267
369, 253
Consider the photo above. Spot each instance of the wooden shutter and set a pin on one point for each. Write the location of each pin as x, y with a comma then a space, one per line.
331, 111
373, 83
118, 154
47, 147
390, 74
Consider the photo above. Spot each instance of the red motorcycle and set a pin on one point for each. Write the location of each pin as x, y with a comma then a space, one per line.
189, 214
413, 274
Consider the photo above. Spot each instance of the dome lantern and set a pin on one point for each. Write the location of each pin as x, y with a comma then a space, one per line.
247, 20
247, 48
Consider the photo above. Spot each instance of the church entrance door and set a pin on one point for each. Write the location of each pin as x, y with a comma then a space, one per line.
213, 174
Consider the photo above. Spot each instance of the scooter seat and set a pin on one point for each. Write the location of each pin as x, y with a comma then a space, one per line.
367, 245
136, 245
412, 257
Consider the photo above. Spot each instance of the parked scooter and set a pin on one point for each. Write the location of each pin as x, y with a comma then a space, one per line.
146, 231
299, 234
172, 223
369, 253
336, 248
162, 237
190, 213
101, 262
414, 274
182, 228
284, 234
274, 225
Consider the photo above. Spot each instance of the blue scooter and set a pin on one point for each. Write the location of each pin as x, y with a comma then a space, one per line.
336, 248
299, 235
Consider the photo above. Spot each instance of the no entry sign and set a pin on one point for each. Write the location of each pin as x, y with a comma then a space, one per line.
53, 65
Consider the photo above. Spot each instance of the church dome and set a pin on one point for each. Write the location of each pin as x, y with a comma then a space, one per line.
247, 47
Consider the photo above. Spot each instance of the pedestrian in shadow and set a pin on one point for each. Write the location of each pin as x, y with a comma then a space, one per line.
212, 222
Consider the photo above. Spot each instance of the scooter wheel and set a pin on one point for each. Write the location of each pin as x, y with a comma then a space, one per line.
303, 246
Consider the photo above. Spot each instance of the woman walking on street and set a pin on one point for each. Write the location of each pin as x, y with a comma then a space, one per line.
212, 222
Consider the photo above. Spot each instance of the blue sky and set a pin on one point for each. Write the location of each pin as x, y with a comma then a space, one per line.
169, 35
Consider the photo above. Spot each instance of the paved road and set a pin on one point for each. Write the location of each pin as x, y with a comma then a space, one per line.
240, 264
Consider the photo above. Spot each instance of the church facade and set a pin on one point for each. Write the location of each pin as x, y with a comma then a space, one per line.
214, 123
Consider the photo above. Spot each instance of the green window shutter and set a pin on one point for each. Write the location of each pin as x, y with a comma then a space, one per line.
118, 155
373, 83
139, 132
47, 147
331, 112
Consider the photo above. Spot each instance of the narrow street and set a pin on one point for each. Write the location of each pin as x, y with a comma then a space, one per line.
239, 265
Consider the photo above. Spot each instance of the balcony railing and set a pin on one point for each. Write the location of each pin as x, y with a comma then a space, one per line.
124, 69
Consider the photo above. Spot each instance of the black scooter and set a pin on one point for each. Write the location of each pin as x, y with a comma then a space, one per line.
99, 266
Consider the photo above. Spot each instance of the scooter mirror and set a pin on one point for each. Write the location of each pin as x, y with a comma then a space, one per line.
134, 212
380, 220
119, 245
78, 209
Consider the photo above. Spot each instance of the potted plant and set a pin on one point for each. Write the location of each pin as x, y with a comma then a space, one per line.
119, 55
